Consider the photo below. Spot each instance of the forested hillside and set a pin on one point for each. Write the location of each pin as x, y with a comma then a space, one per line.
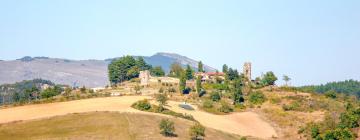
27, 90
349, 87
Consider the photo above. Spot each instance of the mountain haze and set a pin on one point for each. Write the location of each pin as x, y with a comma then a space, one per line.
90, 73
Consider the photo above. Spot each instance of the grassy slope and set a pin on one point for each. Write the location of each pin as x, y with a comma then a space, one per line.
100, 125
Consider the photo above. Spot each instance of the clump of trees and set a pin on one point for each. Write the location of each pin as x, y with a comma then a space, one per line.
269, 79
27, 91
157, 71
126, 68
176, 70
50, 92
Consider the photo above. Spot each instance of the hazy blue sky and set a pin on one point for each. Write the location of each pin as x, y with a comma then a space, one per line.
312, 41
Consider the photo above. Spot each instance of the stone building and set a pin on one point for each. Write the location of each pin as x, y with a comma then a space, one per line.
247, 70
144, 78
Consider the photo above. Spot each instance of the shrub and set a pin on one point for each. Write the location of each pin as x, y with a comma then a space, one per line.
215, 96
161, 99
186, 90
207, 104
202, 92
161, 90
197, 132
172, 90
314, 131
83, 89
143, 105
225, 108
330, 94
257, 97
167, 127
137, 88
293, 106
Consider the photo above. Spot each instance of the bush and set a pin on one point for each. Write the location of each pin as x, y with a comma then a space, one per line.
293, 106
202, 93
197, 132
207, 104
167, 127
186, 90
162, 100
172, 90
50, 92
215, 96
257, 97
225, 108
83, 89
161, 90
314, 131
330, 94
143, 105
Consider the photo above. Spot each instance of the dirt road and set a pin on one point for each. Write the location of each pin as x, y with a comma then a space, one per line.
244, 124
29, 112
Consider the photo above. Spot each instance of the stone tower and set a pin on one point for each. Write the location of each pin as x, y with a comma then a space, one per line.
247, 70
144, 77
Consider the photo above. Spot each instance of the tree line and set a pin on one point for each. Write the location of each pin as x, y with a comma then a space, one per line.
27, 91
348, 87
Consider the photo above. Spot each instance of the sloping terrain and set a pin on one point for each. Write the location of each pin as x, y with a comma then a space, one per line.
102, 125
244, 123
91, 73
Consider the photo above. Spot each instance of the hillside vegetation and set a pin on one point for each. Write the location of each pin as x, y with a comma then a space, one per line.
349, 87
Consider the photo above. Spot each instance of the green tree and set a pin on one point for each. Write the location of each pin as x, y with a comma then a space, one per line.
137, 88
197, 131
167, 127
269, 78
286, 79
157, 71
198, 84
238, 97
200, 67
232, 74
50, 92
162, 100
142, 65
189, 73
176, 70
225, 69
182, 84
126, 68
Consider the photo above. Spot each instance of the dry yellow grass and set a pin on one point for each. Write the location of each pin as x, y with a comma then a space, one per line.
101, 125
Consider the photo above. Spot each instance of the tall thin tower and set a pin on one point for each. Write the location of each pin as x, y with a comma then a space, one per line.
247, 70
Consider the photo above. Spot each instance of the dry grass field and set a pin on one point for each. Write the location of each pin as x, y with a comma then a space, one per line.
101, 125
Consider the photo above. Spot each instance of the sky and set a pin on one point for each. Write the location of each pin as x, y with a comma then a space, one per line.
312, 41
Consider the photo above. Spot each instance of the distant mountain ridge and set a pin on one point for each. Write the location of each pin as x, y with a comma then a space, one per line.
90, 73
